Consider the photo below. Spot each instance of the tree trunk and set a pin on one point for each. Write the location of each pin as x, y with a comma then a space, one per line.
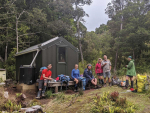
134, 56
80, 46
1, 59
6, 52
116, 58
17, 32
79, 41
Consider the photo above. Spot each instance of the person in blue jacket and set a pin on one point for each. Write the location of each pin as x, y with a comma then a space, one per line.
75, 74
89, 76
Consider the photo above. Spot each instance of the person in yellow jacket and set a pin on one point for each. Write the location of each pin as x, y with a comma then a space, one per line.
130, 72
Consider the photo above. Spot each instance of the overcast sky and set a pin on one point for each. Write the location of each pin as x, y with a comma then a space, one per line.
96, 13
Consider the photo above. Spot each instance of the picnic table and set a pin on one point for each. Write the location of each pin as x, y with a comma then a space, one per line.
57, 84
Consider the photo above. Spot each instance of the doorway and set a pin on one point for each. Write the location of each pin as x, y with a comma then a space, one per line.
61, 60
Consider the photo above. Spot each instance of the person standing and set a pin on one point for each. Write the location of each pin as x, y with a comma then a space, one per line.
99, 71
130, 72
75, 74
106, 65
45, 77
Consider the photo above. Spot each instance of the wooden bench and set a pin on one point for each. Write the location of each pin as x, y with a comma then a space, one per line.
57, 84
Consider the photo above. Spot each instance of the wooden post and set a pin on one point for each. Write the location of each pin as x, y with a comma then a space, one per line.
56, 89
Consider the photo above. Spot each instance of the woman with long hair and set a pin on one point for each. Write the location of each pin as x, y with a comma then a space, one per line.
99, 71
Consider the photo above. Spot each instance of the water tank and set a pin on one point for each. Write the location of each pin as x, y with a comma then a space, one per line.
27, 75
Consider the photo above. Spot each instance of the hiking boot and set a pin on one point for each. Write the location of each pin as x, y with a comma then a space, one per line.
98, 86
37, 97
75, 90
43, 95
131, 89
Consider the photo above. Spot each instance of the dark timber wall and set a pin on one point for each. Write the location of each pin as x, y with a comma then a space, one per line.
49, 55
72, 60
25, 59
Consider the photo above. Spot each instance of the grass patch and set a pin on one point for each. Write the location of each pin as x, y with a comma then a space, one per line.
84, 103
111, 103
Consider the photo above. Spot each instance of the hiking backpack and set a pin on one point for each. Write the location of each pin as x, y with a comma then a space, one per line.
83, 79
115, 81
41, 69
64, 79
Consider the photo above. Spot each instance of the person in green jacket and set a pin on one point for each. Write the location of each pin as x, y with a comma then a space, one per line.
130, 72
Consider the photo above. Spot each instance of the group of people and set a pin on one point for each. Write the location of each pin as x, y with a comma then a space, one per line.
102, 69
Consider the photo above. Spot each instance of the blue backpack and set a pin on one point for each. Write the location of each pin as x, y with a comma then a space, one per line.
64, 79
83, 79
41, 69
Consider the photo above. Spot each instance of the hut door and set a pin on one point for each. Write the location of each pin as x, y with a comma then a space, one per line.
61, 60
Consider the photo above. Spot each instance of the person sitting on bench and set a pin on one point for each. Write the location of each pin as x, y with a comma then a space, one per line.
89, 76
45, 77
75, 74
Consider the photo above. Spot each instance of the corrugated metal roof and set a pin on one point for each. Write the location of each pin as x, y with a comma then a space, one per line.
36, 47
49, 41
2, 69
28, 50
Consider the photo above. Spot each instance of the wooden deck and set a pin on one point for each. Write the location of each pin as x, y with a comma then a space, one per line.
57, 84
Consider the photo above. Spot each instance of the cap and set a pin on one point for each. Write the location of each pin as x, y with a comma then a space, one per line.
130, 57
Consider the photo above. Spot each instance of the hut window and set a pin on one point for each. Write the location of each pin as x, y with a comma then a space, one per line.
62, 54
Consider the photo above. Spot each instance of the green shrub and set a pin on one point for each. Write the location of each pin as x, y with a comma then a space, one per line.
82, 67
11, 106
121, 102
48, 94
121, 71
1, 80
10, 65
105, 104
114, 96
34, 102
18, 94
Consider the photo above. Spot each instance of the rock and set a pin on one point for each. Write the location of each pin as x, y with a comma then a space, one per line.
33, 109
1, 84
6, 94
30, 110
24, 96
37, 107
23, 109
24, 104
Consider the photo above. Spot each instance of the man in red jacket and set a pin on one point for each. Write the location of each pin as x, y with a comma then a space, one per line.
45, 77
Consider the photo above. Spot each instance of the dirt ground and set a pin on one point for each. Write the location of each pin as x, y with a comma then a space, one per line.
83, 103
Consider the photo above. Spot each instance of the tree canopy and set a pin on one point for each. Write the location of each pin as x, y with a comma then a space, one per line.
24, 23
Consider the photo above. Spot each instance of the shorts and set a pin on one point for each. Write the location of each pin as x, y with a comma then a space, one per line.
41, 83
99, 74
107, 74
74, 79
129, 76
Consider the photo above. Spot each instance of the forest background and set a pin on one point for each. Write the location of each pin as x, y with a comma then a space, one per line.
24, 23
